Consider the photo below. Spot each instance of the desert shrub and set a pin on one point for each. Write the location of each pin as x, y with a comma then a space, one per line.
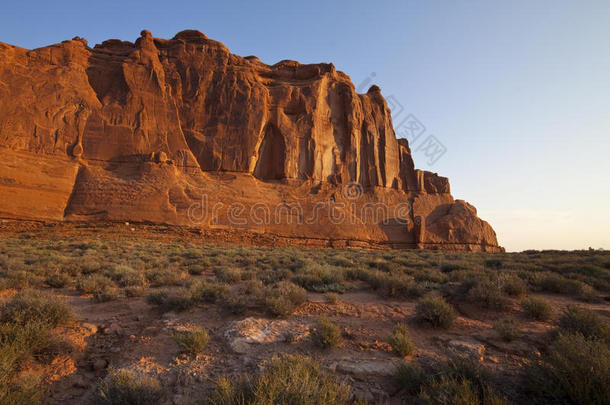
231, 392
254, 288
410, 377
332, 298
25, 391
430, 276
508, 329
401, 341
228, 274
210, 292
397, 285
320, 278
447, 390
468, 278
288, 380
59, 280
126, 387
196, 269
134, 291
574, 370
326, 334
125, 276
179, 300
26, 322
105, 294
238, 304
556, 283
488, 294
165, 277
435, 311
576, 319
537, 309
493, 263
462, 380
30, 307
284, 298
449, 267
514, 286
270, 276
93, 283
157, 297
191, 341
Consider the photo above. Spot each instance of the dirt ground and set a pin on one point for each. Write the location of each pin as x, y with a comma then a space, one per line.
131, 333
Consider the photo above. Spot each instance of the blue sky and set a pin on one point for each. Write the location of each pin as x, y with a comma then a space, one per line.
517, 91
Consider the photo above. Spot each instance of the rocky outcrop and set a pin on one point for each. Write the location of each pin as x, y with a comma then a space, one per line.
182, 131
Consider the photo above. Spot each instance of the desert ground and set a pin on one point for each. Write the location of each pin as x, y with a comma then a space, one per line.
135, 314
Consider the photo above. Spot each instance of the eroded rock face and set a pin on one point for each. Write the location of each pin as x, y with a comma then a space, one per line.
149, 130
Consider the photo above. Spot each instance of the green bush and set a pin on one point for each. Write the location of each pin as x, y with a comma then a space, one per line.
401, 341
326, 334
126, 387
288, 380
191, 341
537, 309
435, 311
574, 370
576, 319
508, 329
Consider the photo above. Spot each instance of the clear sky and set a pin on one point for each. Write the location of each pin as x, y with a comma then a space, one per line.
517, 91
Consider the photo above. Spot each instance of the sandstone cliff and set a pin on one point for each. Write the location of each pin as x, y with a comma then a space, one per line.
182, 131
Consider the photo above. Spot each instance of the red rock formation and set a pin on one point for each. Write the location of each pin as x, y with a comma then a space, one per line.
152, 130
